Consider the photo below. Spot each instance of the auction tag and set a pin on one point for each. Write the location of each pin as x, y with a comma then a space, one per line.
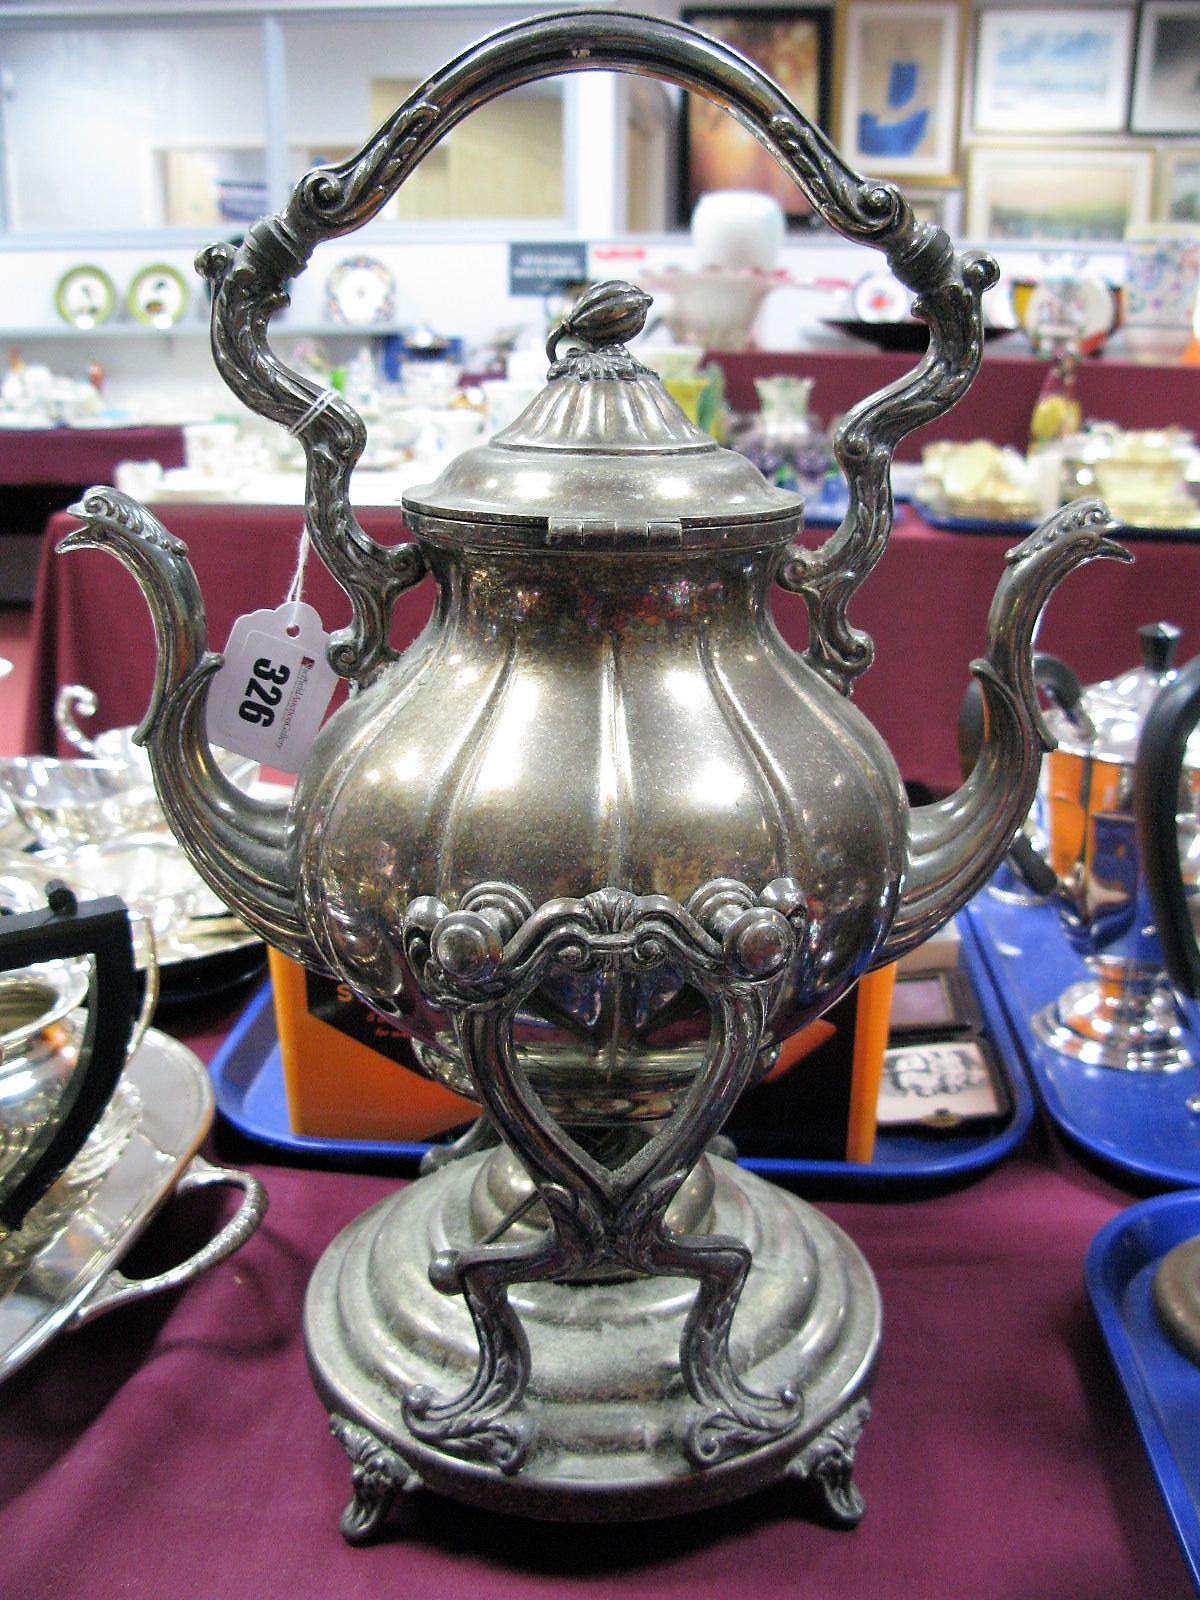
268, 698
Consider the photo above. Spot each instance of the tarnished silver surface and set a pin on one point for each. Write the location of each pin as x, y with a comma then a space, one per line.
588, 718
598, 840
614, 1414
63, 1268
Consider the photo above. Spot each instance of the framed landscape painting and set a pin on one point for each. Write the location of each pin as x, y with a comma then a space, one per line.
1030, 192
1166, 88
1056, 70
899, 86
793, 47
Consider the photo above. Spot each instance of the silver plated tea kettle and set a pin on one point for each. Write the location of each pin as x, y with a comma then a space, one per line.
598, 840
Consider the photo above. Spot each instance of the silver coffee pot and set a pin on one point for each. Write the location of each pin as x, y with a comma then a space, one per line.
1122, 1014
598, 840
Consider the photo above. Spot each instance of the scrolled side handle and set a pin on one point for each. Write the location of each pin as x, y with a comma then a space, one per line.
117, 1290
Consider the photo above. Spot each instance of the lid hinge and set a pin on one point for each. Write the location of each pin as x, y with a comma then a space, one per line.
593, 531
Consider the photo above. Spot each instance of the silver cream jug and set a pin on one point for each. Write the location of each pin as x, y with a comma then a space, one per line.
598, 840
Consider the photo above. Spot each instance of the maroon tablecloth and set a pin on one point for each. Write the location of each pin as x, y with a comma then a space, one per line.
925, 606
177, 1449
82, 455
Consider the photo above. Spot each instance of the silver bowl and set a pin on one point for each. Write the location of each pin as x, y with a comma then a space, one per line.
69, 802
75, 802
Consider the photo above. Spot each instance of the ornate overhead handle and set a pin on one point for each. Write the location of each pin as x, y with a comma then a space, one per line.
250, 286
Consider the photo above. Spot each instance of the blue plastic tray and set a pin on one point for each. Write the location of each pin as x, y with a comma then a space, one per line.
1136, 1123
248, 1081
1163, 1387
1020, 526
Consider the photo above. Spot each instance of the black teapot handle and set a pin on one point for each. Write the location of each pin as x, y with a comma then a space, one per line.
1057, 681
1157, 774
249, 285
99, 929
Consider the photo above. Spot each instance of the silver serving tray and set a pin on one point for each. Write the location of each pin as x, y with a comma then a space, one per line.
71, 1273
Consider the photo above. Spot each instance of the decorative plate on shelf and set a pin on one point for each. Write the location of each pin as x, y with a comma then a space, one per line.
85, 296
360, 291
158, 296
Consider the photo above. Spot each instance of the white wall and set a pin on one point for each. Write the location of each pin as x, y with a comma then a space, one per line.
88, 107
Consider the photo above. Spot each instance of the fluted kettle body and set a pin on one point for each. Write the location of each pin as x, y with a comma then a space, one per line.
572, 719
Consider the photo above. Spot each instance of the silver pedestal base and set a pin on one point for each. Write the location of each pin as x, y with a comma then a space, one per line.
606, 1398
1123, 1016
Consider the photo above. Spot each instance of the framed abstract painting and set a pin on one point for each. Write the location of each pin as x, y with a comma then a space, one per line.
899, 75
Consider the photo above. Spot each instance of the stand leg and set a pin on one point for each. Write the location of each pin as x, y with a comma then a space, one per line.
826, 1464
378, 1475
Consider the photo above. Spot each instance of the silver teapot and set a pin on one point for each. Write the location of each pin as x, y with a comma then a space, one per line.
598, 840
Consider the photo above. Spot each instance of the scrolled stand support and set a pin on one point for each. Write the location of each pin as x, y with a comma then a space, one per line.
480, 962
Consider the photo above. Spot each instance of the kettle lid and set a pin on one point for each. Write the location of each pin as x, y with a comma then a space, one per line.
603, 456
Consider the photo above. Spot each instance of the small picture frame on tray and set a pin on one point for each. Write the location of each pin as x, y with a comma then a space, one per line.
932, 1005
940, 1083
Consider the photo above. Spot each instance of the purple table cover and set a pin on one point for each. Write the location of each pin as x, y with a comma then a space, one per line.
177, 1451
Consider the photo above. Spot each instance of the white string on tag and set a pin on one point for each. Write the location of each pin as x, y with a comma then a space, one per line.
295, 589
322, 403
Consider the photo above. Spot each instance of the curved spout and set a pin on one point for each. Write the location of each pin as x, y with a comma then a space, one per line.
956, 844
240, 846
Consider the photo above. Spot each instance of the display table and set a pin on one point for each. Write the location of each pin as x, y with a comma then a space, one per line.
178, 1450
925, 606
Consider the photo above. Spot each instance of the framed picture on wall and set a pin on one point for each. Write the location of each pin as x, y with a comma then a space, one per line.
899, 82
1178, 185
1034, 192
1053, 71
794, 47
1166, 85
